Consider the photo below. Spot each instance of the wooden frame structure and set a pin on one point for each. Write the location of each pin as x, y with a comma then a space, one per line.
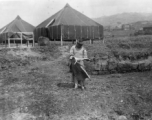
21, 39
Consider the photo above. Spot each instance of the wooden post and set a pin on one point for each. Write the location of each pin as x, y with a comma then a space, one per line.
103, 41
28, 43
5, 43
21, 38
81, 32
61, 37
14, 43
52, 32
93, 36
33, 40
5, 40
9, 42
87, 31
75, 34
73, 41
61, 41
68, 32
98, 32
90, 41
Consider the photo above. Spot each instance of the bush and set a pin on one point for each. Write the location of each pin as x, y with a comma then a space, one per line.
48, 51
43, 41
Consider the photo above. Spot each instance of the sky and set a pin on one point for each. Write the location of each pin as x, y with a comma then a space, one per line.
36, 11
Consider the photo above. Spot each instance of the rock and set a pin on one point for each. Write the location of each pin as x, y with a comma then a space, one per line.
144, 65
98, 65
112, 66
134, 66
104, 64
122, 117
20, 116
95, 72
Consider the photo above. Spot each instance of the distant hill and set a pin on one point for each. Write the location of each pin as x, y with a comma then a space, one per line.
140, 24
123, 18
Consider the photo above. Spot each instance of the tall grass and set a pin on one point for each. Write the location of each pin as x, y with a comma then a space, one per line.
133, 47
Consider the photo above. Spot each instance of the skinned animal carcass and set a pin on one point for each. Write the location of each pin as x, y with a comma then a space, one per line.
79, 74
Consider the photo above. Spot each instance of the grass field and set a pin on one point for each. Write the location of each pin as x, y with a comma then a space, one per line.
130, 46
39, 87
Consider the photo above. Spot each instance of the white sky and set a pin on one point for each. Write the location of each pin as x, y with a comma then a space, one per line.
36, 11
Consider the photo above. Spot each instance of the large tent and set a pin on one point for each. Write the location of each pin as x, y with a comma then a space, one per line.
69, 24
17, 30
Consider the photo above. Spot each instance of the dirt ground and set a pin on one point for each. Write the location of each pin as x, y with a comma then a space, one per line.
42, 90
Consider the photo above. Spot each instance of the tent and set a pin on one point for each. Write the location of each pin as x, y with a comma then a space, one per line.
69, 24
17, 30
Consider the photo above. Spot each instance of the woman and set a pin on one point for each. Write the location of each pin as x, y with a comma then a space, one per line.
78, 51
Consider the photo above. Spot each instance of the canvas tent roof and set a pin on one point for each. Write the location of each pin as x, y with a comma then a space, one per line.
17, 25
68, 16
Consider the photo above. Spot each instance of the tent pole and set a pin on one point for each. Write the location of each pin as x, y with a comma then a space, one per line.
90, 41
5, 41
57, 32
87, 31
103, 41
93, 36
73, 41
68, 32
33, 39
81, 32
21, 38
61, 37
98, 33
9, 42
90, 34
27, 43
75, 32
52, 33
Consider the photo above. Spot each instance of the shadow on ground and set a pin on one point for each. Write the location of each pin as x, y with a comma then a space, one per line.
65, 85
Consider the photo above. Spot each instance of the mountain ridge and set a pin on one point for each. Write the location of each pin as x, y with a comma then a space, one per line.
123, 18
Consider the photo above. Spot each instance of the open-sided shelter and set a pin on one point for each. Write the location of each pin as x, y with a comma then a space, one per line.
69, 24
17, 31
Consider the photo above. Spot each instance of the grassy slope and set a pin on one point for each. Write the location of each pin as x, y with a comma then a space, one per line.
130, 46
45, 87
